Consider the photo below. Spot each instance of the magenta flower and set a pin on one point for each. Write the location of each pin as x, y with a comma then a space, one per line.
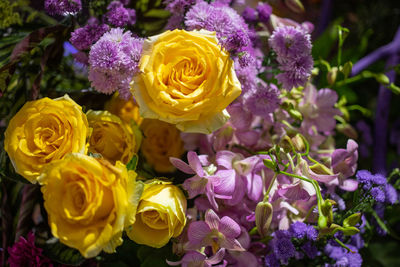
318, 109
215, 232
344, 163
25, 253
195, 258
214, 183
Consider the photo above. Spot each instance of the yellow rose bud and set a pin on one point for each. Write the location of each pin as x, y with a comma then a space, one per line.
126, 110
161, 214
186, 79
89, 202
42, 131
161, 141
111, 138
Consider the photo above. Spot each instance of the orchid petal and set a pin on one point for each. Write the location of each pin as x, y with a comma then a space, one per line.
224, 182
229, 227
195, 164
224, 158
180, 165
197, 232
212, 219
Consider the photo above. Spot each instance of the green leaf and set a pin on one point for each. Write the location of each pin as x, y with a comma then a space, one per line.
132, 164
157, 13
352, 220
60, 253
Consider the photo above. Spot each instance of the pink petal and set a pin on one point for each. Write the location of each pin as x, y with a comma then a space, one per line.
254, 187
212, 219
195, 186
245, 258
229, 227
231, 244
224, 158
326, 98
217, 257
197, 232
224, 182
180, 165
349, 185
195, 164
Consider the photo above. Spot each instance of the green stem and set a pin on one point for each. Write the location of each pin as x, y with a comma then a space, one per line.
344, 245
349, 80
266, 195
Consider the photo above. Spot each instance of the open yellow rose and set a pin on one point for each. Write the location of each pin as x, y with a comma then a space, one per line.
42, 131
161, 214
186, 79
112, 138
89, 202
161, 141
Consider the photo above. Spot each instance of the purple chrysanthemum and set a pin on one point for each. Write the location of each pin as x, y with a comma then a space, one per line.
62, 7
295, 73
231, 29
120, 16
262, 99
293, 49
113, 60
264, 12
250, 15
25, 253
82, 38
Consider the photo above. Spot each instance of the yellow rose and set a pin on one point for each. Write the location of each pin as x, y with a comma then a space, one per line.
111, 138
42, 131
126, 110
186, 79
161, 141
161, 214
89, 202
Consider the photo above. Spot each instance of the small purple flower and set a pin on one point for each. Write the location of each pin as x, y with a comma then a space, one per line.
264, 12
119, 16
298, 230
25, 253
378, 194
293, 48
262, 100
310, 250
272, 261
283, 248
250, 15
312, 233
366, 178
62, 7
82, 38
114, 60
215, 232
390, 194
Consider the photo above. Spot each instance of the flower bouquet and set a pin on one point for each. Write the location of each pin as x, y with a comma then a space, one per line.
195, 133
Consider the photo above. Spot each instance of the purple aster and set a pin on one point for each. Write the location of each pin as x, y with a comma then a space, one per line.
310, 250
262, 100
390, 194
296, 72
283, 248
366, 178
378, 194
82, 38
342, 256
25, 253
62, 7
178, 6
104, 55
215, 232
379, 179
230, 27
113, 60
290, 43
272, 261
298, 230
264, 12
250, 15
312, 233
120, 16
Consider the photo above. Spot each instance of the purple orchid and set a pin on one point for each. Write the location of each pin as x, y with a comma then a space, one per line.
213, 183
195, 258
215, 232
344, 163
